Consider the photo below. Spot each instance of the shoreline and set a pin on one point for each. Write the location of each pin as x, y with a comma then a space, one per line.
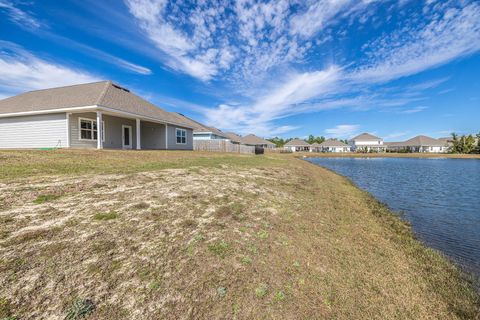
385, 155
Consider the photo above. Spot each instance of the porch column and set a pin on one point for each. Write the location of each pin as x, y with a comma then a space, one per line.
138, 134
166, 136
99, 130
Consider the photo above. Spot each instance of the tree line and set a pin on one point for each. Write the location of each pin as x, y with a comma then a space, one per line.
280, 142
465, 143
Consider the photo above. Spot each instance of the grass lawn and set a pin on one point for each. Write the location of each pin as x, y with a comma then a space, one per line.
187, 235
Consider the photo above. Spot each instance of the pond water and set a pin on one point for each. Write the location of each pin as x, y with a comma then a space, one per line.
439, 197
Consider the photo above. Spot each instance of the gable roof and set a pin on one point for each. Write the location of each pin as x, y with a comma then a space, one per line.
234, 137
297, 143
333, 143
252, 139
103, 94
199, 127
366, 136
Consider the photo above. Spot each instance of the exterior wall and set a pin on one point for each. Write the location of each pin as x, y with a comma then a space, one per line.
152, 135
172, 139
336, 149
113, 131
38, 131
368, 142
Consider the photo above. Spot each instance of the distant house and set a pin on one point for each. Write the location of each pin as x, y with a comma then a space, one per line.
297, 145
420, 144
333, 145
366, 142
92, 115
233, 137
253, 140
203, 132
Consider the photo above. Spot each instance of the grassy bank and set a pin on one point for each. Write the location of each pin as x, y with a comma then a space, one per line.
181, 235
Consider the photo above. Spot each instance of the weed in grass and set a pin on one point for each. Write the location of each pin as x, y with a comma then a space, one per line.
154, 285
280, 296
221, 291
102, 216
296, 264
261, 291
252, 248
219, 248
262, 234
45, 198
233, 211
246, 260
80, 309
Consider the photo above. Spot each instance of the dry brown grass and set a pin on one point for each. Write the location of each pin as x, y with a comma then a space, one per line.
245, 238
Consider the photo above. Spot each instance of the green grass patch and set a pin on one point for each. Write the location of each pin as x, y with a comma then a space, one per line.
46, 198
261, 291
104, 216
219, 248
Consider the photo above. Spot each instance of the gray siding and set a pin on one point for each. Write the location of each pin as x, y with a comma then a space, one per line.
113, 131
152, 135
38, 131
172, 139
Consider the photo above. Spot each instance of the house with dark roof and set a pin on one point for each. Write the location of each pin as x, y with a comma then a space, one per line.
298, 145
333, 145
367, 142
92, 115
419, 144
253, 140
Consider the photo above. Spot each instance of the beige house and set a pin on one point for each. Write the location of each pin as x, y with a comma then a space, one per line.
298, 145
253, 140
419, 144
92, 115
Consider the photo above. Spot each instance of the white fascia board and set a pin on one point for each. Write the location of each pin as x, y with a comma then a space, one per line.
31, 113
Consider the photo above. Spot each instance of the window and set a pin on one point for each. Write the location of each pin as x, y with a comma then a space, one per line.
181, 135
89, 130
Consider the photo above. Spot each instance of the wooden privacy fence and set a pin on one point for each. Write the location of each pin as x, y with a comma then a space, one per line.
221, 146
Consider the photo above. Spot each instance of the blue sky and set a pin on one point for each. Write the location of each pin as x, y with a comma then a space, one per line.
395, 68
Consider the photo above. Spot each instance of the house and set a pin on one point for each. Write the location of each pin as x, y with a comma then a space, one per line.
366, 142
420, 144
253, 140
203, 132
234, 138
92, 115
297, 145
333, 145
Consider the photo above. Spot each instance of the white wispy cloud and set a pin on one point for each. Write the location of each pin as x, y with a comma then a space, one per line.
395, 135
20, 17
343, 130
413, 110
21, 71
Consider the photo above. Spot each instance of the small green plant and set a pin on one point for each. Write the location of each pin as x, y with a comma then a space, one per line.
219, 248
296, 264
102, 216
80, 309
221, 291
280, 296
246, 260
262, 234
154, 285
261, 291
45, 198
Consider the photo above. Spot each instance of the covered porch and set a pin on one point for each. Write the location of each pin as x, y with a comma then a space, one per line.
116, 131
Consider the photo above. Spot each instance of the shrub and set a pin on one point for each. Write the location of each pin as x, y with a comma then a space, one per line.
105, 216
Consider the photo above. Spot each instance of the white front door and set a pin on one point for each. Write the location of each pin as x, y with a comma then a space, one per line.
126, 137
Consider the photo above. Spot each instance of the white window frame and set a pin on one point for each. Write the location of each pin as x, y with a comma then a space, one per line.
92, 121
177, 130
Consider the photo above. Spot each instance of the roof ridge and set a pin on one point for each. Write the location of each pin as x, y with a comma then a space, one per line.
104, 91
71, 85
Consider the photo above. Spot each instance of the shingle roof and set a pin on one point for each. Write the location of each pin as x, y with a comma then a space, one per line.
333, 143
366, 136
234, 137
423, 141
103, 93
252, 139
297, 142
199, 127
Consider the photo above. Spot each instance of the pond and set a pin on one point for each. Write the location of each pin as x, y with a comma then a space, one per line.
439, 197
